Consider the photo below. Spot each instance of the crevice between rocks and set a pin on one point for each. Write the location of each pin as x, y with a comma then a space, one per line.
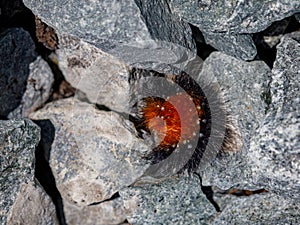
113, 197
43, 172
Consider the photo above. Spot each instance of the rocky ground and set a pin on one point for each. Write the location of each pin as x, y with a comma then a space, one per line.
70, 149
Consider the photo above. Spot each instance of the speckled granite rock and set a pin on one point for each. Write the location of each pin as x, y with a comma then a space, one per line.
138, 32
18, 139
174, 201
232, 18
94, 153
260, 209
275, 150
25, 79
108, 212
32, 206
243, 86
101, 77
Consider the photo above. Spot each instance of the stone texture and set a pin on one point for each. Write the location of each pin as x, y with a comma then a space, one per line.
260, 209
102, 78
243, 86
32, 206
233, 20
275, 150
94, 153
175, 201
108, 212
25, 79
38, 89
18, 139
139, 32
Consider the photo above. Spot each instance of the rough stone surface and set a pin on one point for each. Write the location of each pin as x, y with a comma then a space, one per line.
233, 20
138, 32
38, 89
175, 201
275, 150
260, 209
25, 79
237, 45
32, 206
243, 86
108, 212
102, 78
94, 153
18, 139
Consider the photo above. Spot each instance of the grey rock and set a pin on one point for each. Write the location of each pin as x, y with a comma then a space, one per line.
138, 32
101, 77
108, 212
260, 209
275, 151
32, 206
18, 139
237, 16
94, 153
297, 16
237, 45
38, 89
174, 201
243, 86
227, 23
25, 80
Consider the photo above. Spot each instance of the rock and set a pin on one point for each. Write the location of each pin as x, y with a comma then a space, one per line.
175, 201
100, 76
38, 89
297, 16
90, 152
143, 33
243, 86
18, 139
25, 79
233, 20
237, 45
274, 152
108, 212
265, 208
32, 206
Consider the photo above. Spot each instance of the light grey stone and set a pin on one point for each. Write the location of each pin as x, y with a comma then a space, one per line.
101, 77
265, 208
274, 154
26, 79
174, 201
243, 87
38, 89
139, 32
32, 206
94, 153
108, 212
18, 139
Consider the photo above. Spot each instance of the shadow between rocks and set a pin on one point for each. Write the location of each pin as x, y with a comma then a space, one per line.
43, 171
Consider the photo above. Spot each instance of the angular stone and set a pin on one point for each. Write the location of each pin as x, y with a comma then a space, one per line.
94, 153
25, 80
274, 155
174, 201
18, 139
265, 208
237, 16
139, 32
101, 77
227, 23
243, 86
108, 212
32, 206
237, 45
38, 89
